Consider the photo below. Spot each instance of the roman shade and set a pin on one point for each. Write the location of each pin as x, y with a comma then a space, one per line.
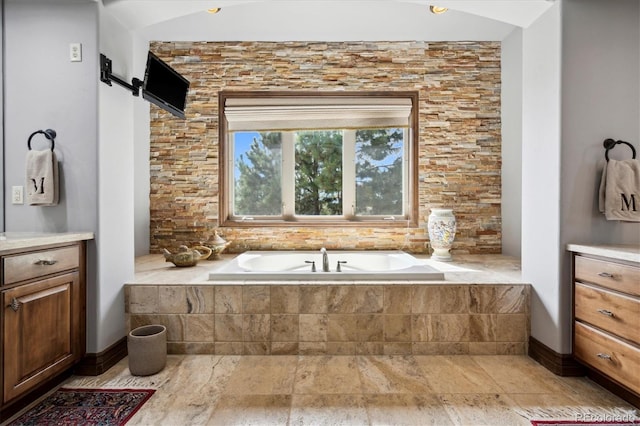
316, 112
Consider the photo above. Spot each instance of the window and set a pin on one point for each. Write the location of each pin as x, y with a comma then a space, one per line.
292, 159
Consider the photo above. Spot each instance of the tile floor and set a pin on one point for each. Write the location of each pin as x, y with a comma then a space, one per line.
360, 390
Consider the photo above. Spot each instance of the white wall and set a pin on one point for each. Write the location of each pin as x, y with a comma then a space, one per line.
600, 100
541, 251
43, 89
511, 109
141, 150
115, 238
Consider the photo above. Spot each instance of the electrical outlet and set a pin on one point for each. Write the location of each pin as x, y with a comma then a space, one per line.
17, 195
75, 52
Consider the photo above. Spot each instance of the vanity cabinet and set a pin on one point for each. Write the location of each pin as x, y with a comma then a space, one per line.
43, 316
606, 326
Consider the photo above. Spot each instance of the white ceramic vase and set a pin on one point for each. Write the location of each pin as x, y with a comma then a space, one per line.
442, 230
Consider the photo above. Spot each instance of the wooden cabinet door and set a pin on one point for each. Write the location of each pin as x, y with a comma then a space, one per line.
40, 331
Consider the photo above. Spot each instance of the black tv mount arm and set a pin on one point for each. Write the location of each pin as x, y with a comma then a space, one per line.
107, 77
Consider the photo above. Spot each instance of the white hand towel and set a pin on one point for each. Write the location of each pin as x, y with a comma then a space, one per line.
619, 195
42, 178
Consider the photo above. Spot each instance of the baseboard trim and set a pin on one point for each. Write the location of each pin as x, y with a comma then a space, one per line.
559, 364
96, 364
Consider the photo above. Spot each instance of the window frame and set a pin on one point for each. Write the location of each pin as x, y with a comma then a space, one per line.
225, 156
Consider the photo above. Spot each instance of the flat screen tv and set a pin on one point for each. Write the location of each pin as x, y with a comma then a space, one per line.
164, 87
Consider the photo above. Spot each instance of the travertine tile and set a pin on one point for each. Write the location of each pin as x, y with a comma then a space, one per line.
245, 410
174, 324
512, 299
342, 327
228, 328
256, 328
256, 348
326, 375
345, 410
397, 328
285, 299
263, 375
191, 348
482, 327
341, 348
391, 375
455, 374
313, 299
451, 328
518, 374
482, 409
256, 299
454, 299
313, 327
200, 299
511, 348
284, 348
312, 348
198, 328
369, 299
369, 348
406, 409
228, 299
229, 348
342, 299
511, 328
370, 327
143, 299
397, 299
425, 299
397, 348
422, 328
172, 299
284, 328
482, 299
482, 348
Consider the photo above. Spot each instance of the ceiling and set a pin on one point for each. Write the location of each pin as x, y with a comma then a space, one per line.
328, 20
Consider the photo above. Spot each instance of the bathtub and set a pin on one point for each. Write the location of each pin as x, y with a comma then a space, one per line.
355, 265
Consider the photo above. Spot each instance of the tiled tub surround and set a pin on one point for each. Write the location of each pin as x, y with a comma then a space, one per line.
459, 137
481, 311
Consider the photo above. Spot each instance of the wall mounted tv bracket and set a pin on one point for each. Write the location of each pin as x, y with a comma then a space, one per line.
107, 77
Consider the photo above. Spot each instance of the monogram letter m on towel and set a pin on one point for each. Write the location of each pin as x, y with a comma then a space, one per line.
42, 178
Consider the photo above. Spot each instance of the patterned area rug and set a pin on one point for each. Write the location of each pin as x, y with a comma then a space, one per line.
593, 422
86, 407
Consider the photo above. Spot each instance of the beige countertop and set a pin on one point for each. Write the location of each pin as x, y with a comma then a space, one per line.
464, 269
21, 240
630, 253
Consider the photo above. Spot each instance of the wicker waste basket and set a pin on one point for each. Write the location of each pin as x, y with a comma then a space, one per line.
147, 347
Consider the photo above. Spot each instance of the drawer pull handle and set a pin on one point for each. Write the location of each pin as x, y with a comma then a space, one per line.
15, 304
604, 356
45, 262
606, 312
605, 275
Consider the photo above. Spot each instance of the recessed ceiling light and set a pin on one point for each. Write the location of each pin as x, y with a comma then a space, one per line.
437, 9
214, 10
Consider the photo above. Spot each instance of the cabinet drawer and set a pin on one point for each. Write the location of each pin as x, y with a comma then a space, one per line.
612, 275
611, 356
612, 312
30, 265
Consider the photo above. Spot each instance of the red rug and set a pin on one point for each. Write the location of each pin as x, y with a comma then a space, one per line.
593, 422
86, 407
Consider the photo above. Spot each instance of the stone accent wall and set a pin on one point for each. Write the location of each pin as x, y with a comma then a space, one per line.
459, 140
331, 319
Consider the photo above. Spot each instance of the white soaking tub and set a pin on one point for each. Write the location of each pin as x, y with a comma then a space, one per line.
298, 266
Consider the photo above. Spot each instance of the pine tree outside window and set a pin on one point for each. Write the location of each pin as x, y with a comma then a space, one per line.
301, 159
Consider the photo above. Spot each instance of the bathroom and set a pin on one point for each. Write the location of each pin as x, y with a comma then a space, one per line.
542, 172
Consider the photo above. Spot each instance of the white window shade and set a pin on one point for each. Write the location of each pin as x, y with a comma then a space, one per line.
312, 113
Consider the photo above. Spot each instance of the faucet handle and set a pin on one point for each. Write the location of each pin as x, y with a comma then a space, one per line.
313, 265
338, 269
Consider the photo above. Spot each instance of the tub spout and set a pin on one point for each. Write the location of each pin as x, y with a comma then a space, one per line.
325, 260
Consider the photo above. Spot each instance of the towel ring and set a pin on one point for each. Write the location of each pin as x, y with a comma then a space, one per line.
49, 134
610, 144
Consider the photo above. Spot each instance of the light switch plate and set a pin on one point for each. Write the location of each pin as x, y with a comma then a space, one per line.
17, 195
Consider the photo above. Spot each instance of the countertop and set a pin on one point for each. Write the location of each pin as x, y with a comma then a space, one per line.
464, 269
629, 253
21, 240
